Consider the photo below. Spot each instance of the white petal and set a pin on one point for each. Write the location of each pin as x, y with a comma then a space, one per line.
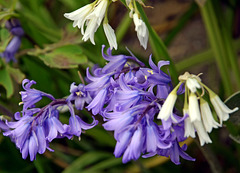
99, 11
192, 84
221, 109
79, 14
207, 117
189, 128
90, 30
111, 37
141, 29
224, 107
167, 107
128, 2
92, 14
194, 111
202, 134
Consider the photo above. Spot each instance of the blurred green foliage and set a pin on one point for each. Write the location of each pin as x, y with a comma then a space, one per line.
52, 53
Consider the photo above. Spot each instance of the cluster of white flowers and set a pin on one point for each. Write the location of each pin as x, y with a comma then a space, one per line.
92, 16
197, 118
140, 26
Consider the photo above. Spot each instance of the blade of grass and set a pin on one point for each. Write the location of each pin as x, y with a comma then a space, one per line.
226, 22
201, 58
216, 42
123, 27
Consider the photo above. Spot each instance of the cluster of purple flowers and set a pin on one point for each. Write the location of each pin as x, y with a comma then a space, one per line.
37, 127
13, 25
129, 95
126, 93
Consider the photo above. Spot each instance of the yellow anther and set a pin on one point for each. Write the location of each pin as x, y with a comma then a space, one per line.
78, 93
20, 103
150, 71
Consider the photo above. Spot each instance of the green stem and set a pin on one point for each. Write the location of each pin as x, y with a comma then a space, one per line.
232, 57
226, 28
158, 47
216, 42
123, 27
206, 56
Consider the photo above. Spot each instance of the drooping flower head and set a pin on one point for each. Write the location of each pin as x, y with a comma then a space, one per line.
128, 95
35, 128
140, 26
92, 15
79, 96
31, 96
199, 118
141, 29
13, 25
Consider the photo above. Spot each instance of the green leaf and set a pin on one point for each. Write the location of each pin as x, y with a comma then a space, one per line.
106, 164
7, 15
232, 102
6, 82
4, 34
43, 26
65, 57
4, 39
16, 74
101, 136
217, 44
233, 124
123, 27
86, 160
235, 138
201, 3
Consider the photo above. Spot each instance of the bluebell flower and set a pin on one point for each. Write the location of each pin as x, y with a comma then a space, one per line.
98, 102
79, 96
16, 30
35, 128
97, 82
22, 134
3, 125
123, 139
14, 26
116, 62
129, 97
118, 120
126, 94
11, 49
135, 146
174, 152
53, 127
32, 134
156, 137
77, 125
31, 96
155, 75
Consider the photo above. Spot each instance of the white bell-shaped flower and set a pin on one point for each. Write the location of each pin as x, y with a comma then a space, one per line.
141, 29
